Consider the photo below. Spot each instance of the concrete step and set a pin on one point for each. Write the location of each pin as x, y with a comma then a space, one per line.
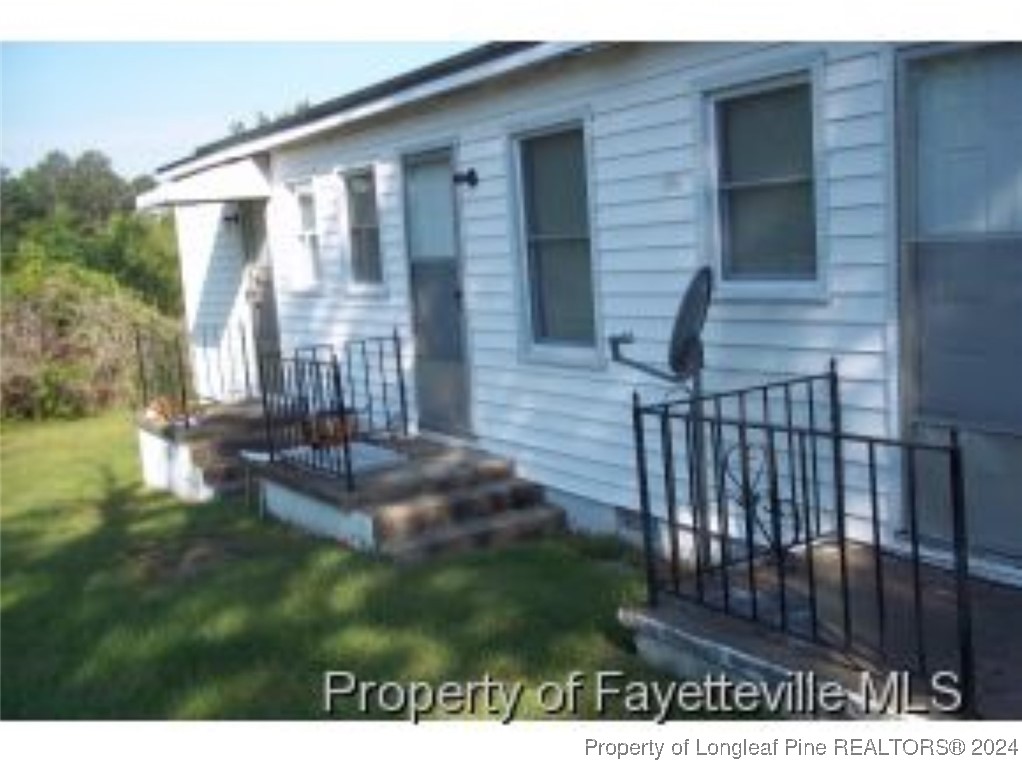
407, 518
484, 532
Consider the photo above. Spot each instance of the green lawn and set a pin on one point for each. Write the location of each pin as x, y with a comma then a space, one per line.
121, 603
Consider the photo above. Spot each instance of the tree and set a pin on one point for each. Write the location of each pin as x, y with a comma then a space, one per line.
263, 119
141, 184
18, 207
140, 251
94, 192
46, 182
81, 267
86, 187
80, 211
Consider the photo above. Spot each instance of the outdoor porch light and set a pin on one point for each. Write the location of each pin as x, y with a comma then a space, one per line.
469, 177
232, 214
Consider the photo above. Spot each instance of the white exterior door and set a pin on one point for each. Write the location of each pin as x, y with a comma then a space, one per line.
441, 378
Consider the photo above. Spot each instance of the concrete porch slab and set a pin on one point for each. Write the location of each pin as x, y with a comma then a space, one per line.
996, 615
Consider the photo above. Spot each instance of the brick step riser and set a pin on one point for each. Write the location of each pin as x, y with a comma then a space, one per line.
466, 504
481, 538
453, 483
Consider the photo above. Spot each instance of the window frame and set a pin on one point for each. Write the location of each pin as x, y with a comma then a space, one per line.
299, 189
355, 286
802, 71
531, 349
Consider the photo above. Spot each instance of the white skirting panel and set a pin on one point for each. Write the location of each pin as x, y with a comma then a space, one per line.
168, 466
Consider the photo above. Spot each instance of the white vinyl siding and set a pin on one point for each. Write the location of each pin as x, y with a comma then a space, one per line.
214, 278
555, 222
649, 193
363, 228
765, 184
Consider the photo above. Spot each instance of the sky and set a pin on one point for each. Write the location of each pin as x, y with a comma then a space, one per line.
146, 104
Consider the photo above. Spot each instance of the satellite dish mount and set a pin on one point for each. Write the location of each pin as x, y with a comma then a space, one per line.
685, 365
685, 354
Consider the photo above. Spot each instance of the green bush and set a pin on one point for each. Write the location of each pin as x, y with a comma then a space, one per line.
81, 268
68, 340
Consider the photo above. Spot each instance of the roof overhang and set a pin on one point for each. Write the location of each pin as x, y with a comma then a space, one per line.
242, 179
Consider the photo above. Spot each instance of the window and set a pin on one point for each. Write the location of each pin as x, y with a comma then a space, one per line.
555, 209
364, 229
306, 269
765, 194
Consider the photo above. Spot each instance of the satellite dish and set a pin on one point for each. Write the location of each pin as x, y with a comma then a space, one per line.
685, 355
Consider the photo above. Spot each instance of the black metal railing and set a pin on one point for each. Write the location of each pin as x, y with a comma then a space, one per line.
164, 384
320, 400
758, 503
225, 361
179, 374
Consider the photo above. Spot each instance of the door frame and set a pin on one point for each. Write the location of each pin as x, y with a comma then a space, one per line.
409, 155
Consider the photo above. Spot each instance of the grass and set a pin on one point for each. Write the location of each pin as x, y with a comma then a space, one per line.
121, 603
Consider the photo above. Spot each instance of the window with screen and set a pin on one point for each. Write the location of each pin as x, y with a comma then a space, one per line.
767, 216
363, 228
555, 208
304, 272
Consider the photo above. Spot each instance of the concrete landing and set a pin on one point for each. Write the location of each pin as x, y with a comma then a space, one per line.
710, 633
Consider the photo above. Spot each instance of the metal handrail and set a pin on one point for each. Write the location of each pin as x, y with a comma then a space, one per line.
321, 398
745, 542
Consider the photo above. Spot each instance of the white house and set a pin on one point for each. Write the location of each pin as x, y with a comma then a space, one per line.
511, 207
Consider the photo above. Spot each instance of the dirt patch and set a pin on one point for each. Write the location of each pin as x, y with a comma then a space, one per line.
183, 563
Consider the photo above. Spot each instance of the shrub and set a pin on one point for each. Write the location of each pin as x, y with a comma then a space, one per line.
68, 341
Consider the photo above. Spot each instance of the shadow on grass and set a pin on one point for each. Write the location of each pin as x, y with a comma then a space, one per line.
136, 606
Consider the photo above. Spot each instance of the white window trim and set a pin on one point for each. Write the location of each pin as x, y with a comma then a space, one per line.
296, 189
804, 68
546, 352
353, 287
